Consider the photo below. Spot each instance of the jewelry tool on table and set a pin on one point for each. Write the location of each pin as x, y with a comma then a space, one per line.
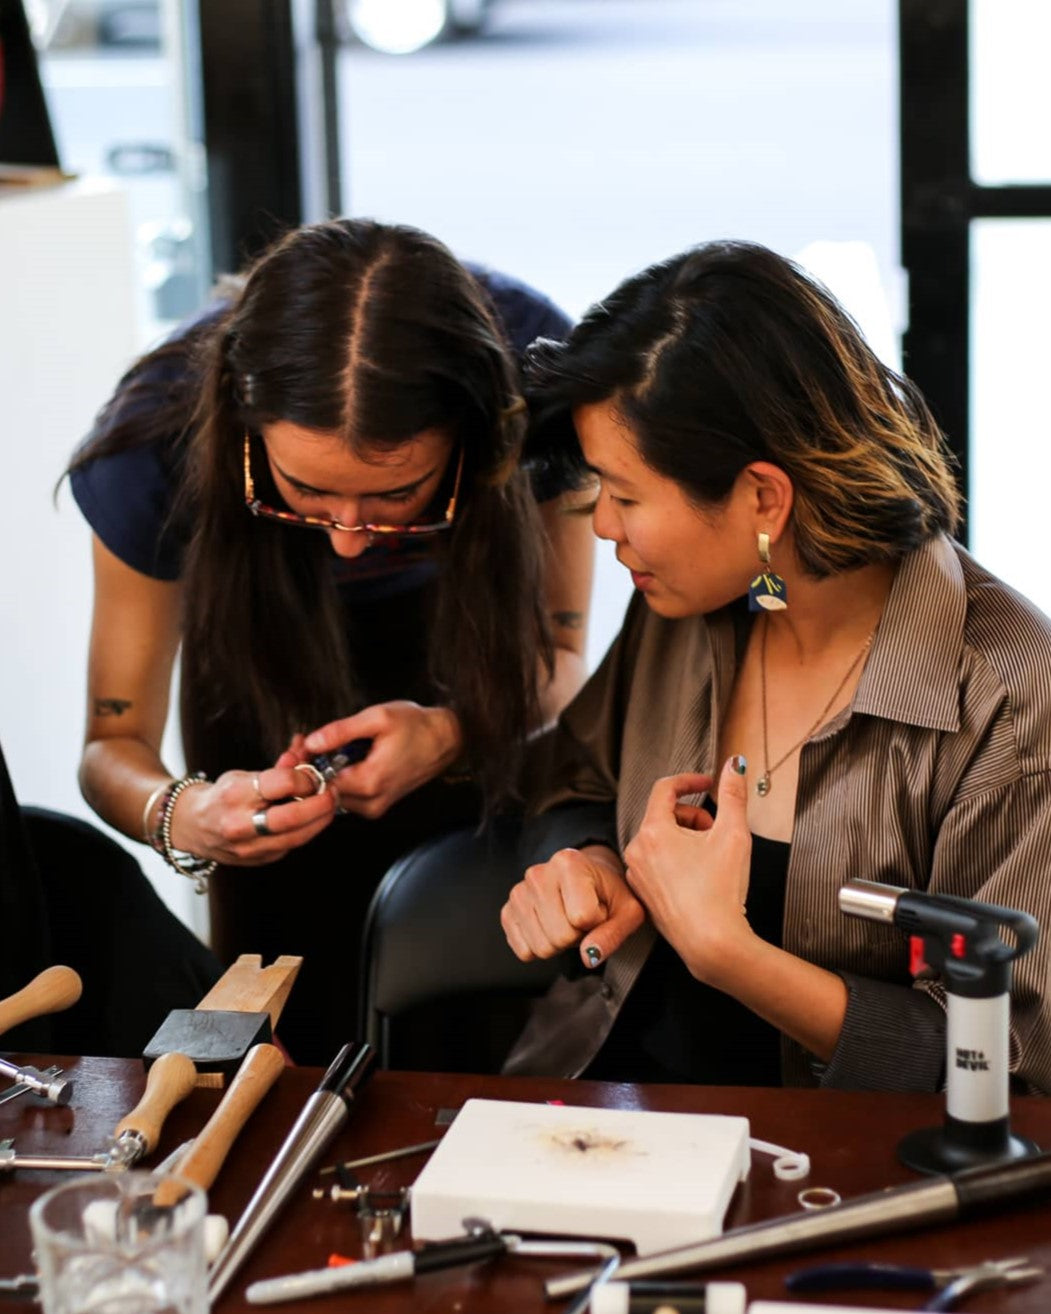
200, 1159
50, 991
241, 1010
169, 1080
959, 940
13, 1092
479, 1241
380, 1213
403, 1152
207, 1151
939, 1199
12, 1161
55, 1089
324, 1113
950, 1284
595, 1286
26, 1285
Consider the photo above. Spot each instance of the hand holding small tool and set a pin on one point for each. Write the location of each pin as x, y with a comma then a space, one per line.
383, 752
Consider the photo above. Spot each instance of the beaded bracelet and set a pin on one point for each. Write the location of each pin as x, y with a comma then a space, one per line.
157, 838
186, 864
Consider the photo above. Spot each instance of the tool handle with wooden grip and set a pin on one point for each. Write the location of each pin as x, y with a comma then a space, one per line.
202, 1161
170, 1080
50, 991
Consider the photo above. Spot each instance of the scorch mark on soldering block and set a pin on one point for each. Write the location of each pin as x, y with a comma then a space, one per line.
588, 1141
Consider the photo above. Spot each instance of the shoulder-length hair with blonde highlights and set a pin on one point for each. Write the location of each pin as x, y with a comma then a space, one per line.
730, 353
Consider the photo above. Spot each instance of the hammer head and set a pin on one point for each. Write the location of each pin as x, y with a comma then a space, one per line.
216, 1039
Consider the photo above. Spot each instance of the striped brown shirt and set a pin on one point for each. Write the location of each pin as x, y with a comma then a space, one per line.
937, 777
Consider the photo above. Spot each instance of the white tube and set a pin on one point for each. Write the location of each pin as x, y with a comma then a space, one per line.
977, 1038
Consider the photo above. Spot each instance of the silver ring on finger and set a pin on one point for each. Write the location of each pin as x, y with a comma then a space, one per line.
258, 788
260, 823
313, 774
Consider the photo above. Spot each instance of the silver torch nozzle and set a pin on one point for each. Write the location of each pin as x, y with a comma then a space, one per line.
870, 899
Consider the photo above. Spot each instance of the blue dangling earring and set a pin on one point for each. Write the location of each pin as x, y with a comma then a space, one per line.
767, 592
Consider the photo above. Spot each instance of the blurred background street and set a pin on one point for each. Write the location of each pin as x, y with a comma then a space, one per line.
569, 143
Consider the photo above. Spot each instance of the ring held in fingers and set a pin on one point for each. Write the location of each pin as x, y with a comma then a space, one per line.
260, 823
313, 774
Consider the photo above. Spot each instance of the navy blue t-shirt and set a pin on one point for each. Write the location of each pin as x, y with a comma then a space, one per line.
127, 497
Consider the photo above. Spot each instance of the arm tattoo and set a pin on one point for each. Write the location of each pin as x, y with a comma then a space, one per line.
568, 620
111, 706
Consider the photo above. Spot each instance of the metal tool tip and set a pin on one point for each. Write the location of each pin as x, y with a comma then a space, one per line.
60, 1092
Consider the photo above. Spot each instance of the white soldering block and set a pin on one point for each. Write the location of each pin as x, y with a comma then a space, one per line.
657, 1179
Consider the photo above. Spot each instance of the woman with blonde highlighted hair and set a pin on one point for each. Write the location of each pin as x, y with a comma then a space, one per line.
814, 683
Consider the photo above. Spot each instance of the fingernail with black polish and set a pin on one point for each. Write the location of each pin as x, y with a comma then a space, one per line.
594, 955
739, 763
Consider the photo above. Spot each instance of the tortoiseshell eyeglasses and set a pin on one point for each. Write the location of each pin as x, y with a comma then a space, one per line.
298, 521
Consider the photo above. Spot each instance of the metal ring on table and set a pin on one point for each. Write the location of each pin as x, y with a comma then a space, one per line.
819, 1197
259, 821
317, 779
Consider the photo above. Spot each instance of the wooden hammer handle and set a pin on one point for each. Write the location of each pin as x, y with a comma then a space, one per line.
51, 991
170, 1080
201, 1163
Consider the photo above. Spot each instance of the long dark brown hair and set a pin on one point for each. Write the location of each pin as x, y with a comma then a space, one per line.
375, 332
730, 353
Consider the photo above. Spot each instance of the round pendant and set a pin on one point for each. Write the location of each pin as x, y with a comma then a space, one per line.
762, 787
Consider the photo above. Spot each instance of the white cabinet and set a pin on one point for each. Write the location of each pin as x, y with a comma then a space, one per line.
67, 332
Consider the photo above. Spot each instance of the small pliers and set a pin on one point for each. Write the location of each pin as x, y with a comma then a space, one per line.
949, 1284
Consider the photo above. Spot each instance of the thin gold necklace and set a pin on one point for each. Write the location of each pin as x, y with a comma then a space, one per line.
763, 785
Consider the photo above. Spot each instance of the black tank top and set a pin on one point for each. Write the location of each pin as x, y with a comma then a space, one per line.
674, 1029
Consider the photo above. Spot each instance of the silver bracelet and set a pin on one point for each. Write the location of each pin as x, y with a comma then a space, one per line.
186, 864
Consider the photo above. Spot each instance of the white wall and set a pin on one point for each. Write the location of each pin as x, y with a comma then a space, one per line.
67, 331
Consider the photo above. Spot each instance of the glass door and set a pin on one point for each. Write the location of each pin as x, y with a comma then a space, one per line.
1010, 265
123, 107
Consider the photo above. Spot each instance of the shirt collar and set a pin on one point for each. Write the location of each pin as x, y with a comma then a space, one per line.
913, 671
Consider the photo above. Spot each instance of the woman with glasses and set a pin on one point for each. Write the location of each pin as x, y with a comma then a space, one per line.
318, 495
814, 683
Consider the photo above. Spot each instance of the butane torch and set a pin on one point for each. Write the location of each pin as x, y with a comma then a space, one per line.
959, 939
